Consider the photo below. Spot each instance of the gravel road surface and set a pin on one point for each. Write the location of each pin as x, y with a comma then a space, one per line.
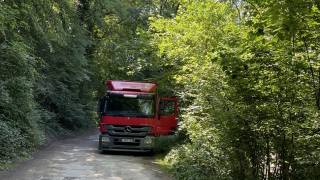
78, 159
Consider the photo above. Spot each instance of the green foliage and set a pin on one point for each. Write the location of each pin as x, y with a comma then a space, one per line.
163, 144
43, 74
247, 73
12, 142
198, 161
121, 42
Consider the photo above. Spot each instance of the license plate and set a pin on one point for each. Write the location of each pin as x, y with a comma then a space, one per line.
127, 140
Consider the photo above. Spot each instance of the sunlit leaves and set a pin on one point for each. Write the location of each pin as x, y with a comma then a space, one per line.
253, 80
42, 73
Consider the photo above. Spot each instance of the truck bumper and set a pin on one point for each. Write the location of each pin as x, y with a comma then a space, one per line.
133, 144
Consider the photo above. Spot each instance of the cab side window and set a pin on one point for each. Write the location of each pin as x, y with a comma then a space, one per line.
167, 108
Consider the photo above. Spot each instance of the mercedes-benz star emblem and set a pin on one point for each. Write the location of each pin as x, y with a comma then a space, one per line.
128, 129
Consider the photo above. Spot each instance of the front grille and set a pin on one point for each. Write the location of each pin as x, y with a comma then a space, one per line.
125, 130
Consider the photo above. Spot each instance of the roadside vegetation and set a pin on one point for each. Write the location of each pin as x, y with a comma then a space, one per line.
44, 75
246, 72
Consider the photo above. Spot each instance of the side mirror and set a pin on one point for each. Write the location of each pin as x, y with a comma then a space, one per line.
101, 105
98, 106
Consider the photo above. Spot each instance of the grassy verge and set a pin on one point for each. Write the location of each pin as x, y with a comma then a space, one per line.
164, 165
163, 145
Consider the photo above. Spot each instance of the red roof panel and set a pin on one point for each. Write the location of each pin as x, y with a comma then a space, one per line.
131, 86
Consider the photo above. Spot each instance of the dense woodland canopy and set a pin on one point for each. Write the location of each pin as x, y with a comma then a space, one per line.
247, 73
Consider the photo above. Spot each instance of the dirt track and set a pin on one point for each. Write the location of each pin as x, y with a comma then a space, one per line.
78, 159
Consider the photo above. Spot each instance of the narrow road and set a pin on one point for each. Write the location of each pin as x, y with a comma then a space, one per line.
78, 159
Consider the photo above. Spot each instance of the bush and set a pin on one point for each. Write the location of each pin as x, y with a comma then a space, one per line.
43, 74
11, 142
198, 161
163, 144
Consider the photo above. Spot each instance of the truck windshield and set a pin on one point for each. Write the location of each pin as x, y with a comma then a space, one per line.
138, 106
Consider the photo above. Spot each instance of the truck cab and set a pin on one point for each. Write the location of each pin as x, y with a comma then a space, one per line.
132, 115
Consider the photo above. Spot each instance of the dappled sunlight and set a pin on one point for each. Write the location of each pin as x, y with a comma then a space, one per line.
241, 77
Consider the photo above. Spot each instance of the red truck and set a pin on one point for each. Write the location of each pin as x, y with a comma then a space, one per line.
132, 115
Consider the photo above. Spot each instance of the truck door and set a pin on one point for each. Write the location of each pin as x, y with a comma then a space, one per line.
168, 111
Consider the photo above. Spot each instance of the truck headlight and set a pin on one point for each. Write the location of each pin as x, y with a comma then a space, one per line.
148, 140
105, 139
